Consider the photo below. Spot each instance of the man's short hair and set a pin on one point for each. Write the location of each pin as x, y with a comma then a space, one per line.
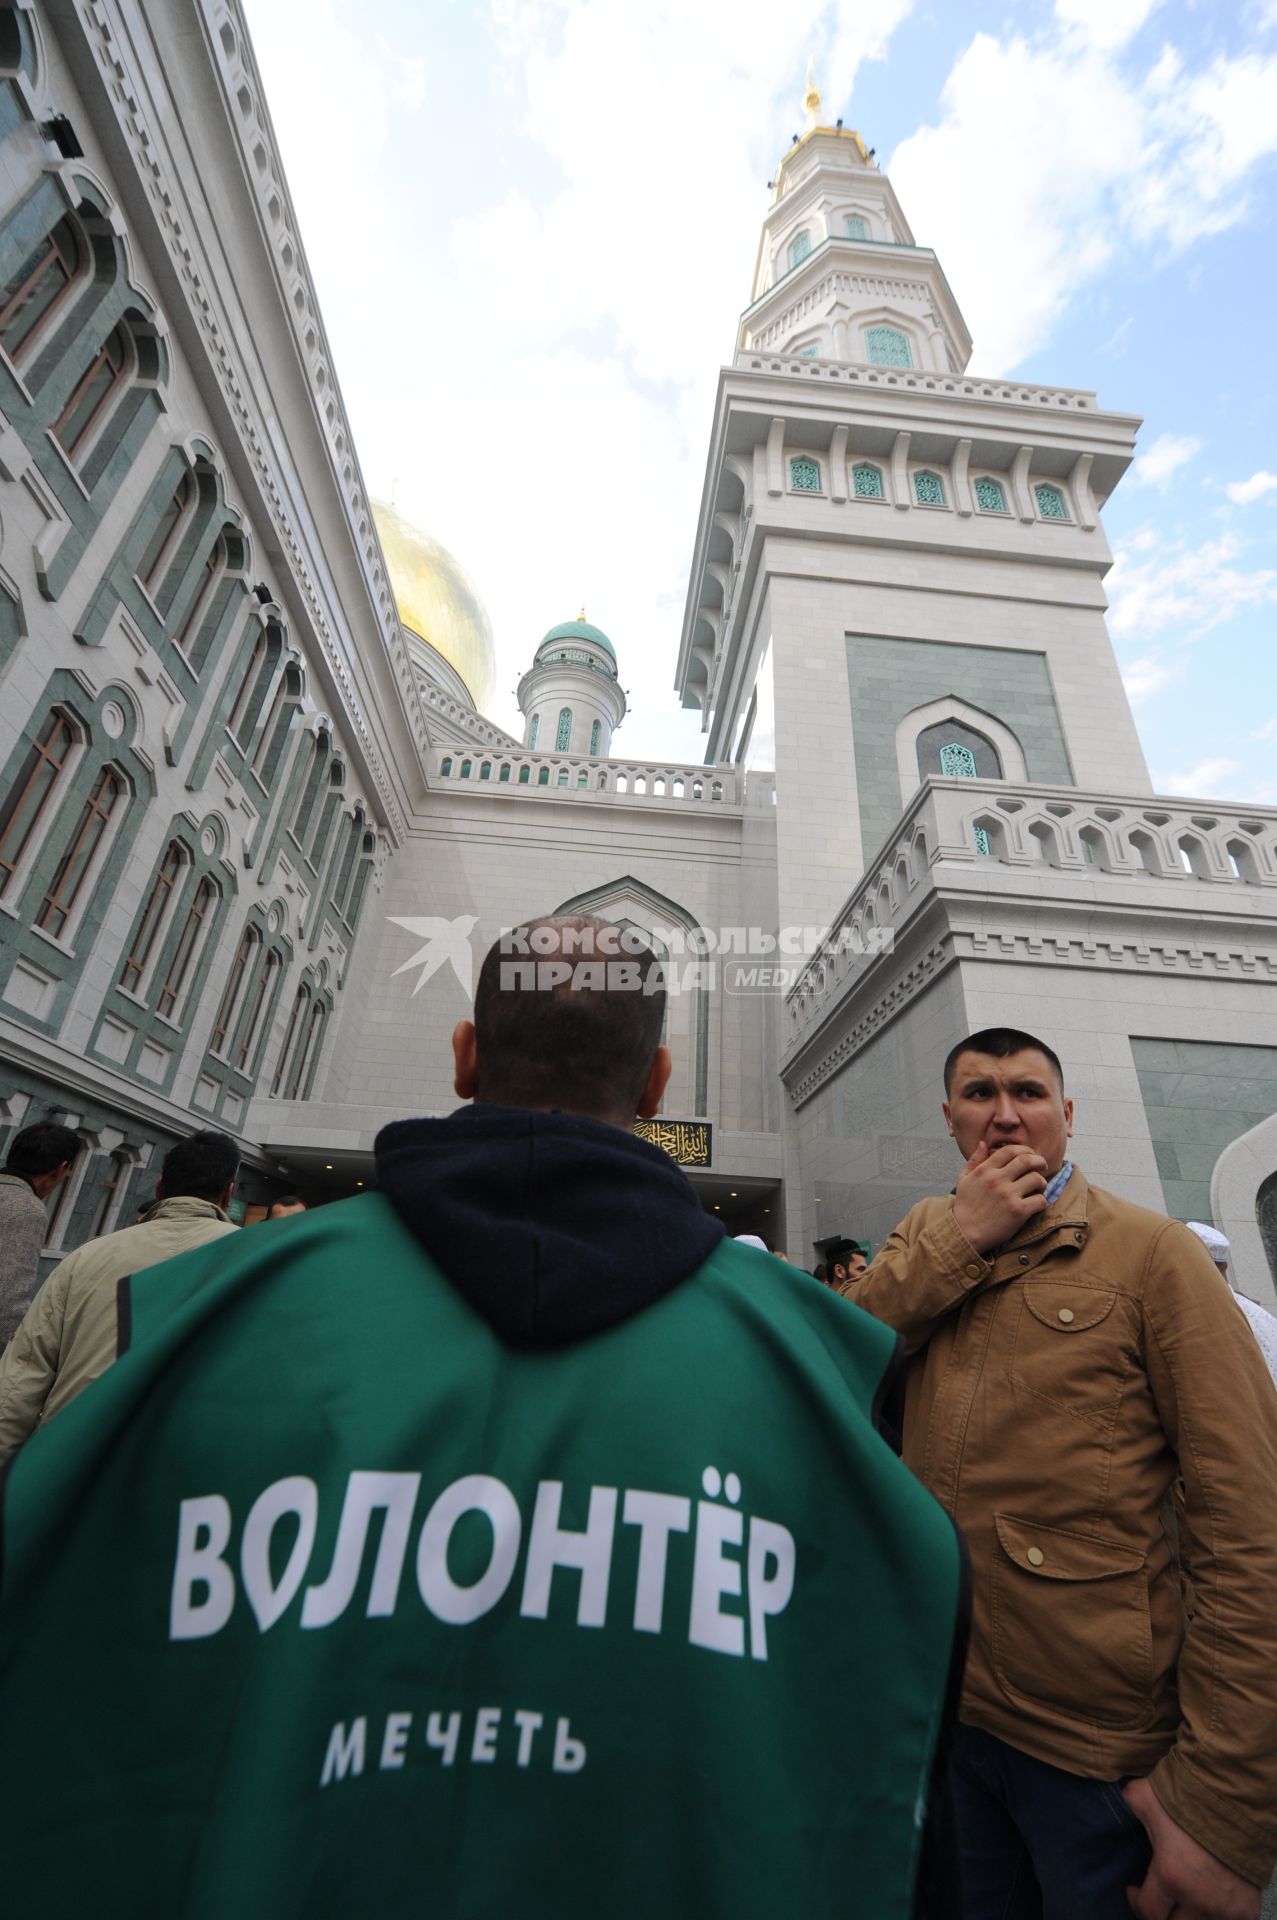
1000, 1042
285, 1200
841, 1252
584, 1041
200, 1167
41, 1148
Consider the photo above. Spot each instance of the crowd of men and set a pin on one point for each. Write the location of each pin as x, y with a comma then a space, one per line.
509, 1537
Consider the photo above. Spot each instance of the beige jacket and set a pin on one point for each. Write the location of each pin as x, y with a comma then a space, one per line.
71, 1333
1056, 1393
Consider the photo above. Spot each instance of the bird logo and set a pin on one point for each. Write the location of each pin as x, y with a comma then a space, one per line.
446, 941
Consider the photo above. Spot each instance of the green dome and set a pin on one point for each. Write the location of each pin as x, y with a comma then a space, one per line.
579, 630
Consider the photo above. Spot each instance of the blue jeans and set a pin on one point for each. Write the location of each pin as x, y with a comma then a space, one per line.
1037, 1843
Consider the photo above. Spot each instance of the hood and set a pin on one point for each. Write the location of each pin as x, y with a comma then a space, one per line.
553, 1227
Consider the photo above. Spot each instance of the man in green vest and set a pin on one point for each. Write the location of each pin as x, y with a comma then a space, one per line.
503, 1541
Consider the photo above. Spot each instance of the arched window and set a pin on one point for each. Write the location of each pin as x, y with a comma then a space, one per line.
957, 762
525, 774
989, 495
505, 772
296, 1028
1050, 503
445, 766
82, 850
94, 391
283, 710
485, 771
928, 489
308, 1052
199, 918
465, 769
543, 777
799, 248
111, 1194
804, 476
809, 353
866, 483
32, 790
595, 732
243, 713
306, 806
253, 1025
154, 914
159, 548
39, 288
186, 639
887, 347
857, 227
563, 732
533, 731
250, 941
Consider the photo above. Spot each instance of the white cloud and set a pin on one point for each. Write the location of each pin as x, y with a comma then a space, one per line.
1207, 780
1147, 163
1267, 732
1176, 586
1164, 458
1242, 492
1143, 678
1104, 23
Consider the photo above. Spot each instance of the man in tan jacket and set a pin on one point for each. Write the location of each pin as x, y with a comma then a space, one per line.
71, 1330
1072, 1357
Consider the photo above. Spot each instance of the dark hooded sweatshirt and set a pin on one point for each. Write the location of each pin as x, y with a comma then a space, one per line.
506, 1539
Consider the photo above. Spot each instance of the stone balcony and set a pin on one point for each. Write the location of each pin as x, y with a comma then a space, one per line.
562, 777
963, 386
1150, 883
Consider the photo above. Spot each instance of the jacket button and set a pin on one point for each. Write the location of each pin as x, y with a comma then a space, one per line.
1079, 1237
1024, 1259
1066, 1314
974, 1272
1035, 1556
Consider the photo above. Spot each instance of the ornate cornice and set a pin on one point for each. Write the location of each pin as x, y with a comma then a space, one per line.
231, 59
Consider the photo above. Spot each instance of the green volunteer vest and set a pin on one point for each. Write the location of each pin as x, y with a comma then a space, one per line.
323, 1602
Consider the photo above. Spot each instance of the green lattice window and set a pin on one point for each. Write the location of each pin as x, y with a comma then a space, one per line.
989, 496
595, 731
866, 483
957, 762
804, 476
799, 248
533, 731
928, 489
563, 732
543, 777
808, 353
485, 771
465, 769
525, 774
887, 347
1050, 503
857, 229
504, 773
445, 768
982, 841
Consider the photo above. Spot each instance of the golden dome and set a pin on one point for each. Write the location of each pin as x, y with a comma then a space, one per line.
437, 601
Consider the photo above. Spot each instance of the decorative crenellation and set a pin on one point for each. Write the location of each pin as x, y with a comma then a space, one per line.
863, 374
1150, 848
860, 287
486, 732
228, 41
525, 774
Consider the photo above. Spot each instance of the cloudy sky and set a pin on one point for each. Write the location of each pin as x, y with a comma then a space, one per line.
532, 225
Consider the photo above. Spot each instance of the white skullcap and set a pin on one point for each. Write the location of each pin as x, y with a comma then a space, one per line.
750, 1240
1215, 1242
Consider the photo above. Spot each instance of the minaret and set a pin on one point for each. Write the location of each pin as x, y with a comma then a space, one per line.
901, 561
838, 276
569, 697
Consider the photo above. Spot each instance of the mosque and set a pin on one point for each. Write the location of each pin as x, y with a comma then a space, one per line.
256, 829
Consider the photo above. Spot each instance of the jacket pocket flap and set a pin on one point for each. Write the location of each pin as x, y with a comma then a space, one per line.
1066, 1309
1055, 1555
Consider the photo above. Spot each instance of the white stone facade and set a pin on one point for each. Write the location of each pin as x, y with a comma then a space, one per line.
893, 562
